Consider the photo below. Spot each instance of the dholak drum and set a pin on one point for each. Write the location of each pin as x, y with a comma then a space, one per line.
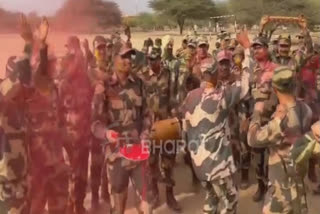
165, 131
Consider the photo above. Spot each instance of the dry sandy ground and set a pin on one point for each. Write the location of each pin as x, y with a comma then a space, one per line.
192, 201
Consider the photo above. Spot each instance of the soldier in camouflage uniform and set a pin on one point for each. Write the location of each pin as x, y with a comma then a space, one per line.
203, 58
283, 57
49, 172
286, 193
261, 74
184, 46
128, 117
76, 98
172, 65
157, 80
184, 76
100, 69
206, 111
14, 93
240, 59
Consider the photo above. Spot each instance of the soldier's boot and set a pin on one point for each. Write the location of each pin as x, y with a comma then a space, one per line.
312, 175
171, 200
155, 193
262, 189
95, 200
244, 179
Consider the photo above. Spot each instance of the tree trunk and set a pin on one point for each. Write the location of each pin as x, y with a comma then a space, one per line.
181, 24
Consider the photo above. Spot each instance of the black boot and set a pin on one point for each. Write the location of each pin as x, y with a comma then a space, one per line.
244, 179
171, 201
262, 189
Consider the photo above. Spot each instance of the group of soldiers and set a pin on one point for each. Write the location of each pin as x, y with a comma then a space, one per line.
246, 103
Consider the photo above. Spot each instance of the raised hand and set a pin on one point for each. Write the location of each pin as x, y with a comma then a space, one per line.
25, 29
243, 38
43, 30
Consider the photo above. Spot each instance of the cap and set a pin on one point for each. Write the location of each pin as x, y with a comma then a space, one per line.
73, 42
283, 79
284, 39
224, 55
239, 50
260, 40
98, 41
202, 41
126, 49
192, 43
155, 53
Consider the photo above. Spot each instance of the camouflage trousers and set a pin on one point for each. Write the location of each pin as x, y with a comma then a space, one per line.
282, 199
13, 197
161, 163
120, 172
222, 190
49, 186
260, 164
79, 175
98, 172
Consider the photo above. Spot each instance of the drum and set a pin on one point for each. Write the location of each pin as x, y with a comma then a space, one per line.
165, 131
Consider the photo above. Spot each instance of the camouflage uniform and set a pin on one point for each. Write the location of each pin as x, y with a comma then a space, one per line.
286, 192
76, 99
99, 71
14, 149
49, 172
127, 114
206, 113
303, 149
158, 96
285, 60
260, 84
185, 81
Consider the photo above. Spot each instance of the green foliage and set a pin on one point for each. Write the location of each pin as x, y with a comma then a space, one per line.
180, 10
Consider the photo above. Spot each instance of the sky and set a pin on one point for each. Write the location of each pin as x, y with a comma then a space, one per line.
49, 7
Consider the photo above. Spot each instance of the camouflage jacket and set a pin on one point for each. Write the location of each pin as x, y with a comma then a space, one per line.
76, 94
14, 149
279, 136
261, 88
44, 137
303, 149
173, 66
157, 88
206, 112
286, 61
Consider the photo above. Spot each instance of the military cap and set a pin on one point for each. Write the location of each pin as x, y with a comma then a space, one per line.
126, 49
284, 39
224, 55
192, 43
283, 79
99, 41
260, 40
155, 53
202, 41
